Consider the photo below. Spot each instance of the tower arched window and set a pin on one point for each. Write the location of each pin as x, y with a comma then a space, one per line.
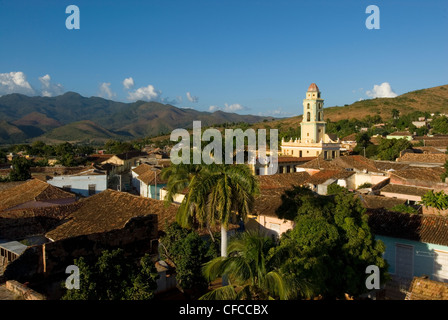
318, 116
308, 116
308, 106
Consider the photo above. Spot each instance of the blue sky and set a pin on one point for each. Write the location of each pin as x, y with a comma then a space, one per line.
250, 57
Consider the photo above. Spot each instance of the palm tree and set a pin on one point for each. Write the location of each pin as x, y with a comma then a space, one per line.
217, 193
251, 271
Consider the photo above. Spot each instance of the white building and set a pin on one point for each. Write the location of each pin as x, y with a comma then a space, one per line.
86, 183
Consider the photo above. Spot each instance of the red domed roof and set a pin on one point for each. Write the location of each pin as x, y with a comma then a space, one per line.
313, 87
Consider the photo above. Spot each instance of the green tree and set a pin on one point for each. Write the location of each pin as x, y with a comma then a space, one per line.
217, 193
252, 273
395, 113
440, 125
437, 200
389, 149
292, 200
445, 174
113, 277
117, 147
331, 245
20, 169
188, 251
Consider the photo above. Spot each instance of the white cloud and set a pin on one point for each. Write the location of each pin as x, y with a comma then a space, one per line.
276, 113
192, 98
50, 89
228, 108
144, 93
128, 83
383, 90
15, 82
106, 91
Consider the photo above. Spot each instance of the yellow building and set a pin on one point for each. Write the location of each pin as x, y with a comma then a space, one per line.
314, 141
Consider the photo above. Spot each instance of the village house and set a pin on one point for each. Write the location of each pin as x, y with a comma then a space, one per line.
423, 159
416, 245
27, 210
86, 183
365, 171
286, 164
264, 217
107, 220
147, 181
401, 135
124, 161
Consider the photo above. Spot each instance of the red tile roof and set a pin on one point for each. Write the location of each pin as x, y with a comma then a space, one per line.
428, 174
283, 180
405, 190
31, 190
423, 158
110, 210
417, 227
422, 288
324, 175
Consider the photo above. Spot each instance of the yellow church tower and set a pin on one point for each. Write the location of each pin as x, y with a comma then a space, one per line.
314, 141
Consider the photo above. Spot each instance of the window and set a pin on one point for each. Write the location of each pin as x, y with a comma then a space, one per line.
308, 106
308, 116
92, 188
67, 188
307, 134
318, 117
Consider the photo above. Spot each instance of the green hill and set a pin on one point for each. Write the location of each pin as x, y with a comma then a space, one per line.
427, 100
82, 131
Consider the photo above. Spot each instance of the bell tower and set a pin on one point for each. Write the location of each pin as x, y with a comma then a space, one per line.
313, 124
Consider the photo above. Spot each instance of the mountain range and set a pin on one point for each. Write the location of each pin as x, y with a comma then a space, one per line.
74, 118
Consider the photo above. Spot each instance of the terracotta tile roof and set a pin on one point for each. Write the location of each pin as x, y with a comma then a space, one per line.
430, 150
376, 202
401, 133
431, 174
8, 185
268, 201
417, 227
434, 141
356, 162
32, 190
350, 137
390, 165
142, 168
55, 171
324, 175
283, 180
407, 190
320, 163
149, 177
345, 162
422, 288
110, 210
423, 158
